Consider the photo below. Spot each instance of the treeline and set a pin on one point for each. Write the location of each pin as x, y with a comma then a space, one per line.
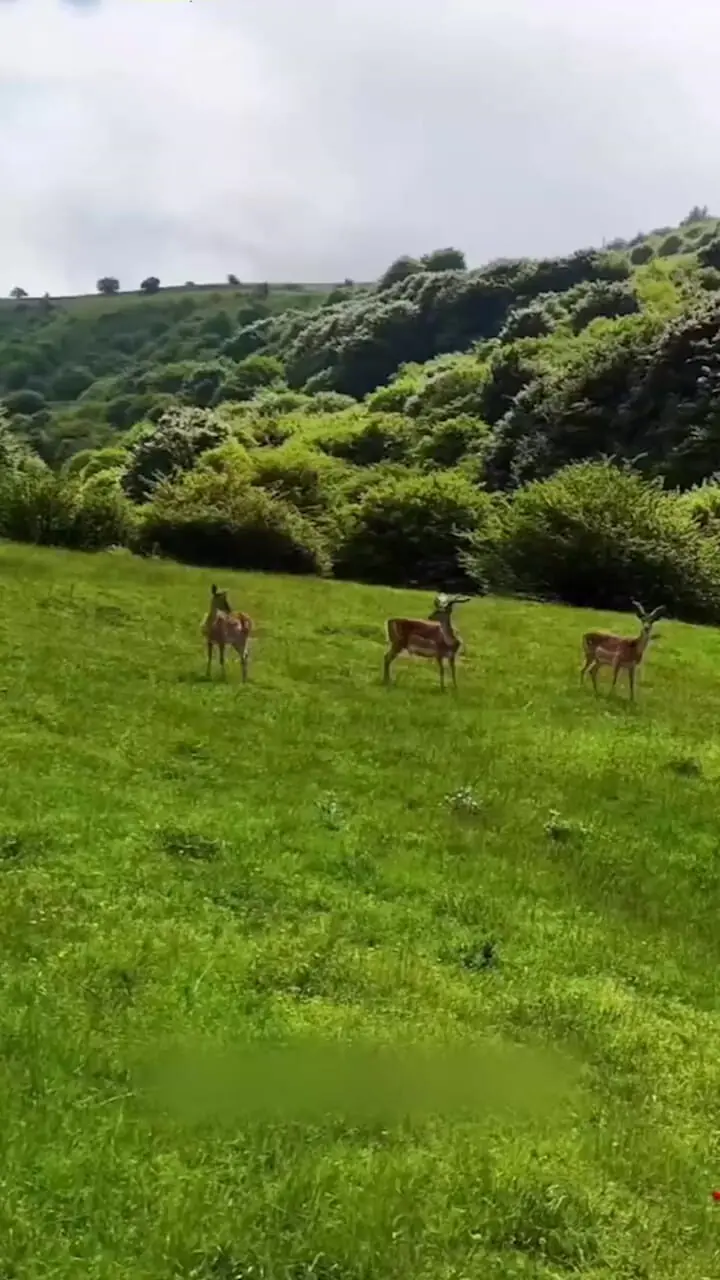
445, 427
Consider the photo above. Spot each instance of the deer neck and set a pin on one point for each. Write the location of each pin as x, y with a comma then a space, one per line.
641, 643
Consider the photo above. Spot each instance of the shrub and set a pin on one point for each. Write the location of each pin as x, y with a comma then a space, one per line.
365, 440
670, 245
304, 477
53, 511
641, 254
447, 441
533, 321
709, 253
174, 445
603, 299
598, 535
410, 531
216, 518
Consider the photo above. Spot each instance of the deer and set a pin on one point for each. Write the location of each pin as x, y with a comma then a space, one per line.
222, 627
602, 649
434, 638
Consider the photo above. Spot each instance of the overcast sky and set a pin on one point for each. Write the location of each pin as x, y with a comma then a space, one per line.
317, 139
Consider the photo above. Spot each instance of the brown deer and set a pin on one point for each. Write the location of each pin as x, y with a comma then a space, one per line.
602, 649
434, 638
223, 627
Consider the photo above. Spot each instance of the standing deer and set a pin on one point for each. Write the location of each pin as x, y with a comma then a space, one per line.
602, 649
432, 639
223, 627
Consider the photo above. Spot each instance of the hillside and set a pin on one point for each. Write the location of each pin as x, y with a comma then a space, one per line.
444, 426
189, 866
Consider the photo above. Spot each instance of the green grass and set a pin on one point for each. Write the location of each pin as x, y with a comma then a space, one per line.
191, 864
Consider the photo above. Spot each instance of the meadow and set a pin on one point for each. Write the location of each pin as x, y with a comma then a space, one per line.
188, 867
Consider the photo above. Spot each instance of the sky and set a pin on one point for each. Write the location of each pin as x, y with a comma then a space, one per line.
313, 141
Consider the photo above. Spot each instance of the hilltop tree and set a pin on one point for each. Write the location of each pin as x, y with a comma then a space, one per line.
18, 293
150, 284
232, 279
444, 260
108, 285
399, 270
698, 213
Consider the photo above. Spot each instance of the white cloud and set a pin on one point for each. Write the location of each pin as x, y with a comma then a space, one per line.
189, 138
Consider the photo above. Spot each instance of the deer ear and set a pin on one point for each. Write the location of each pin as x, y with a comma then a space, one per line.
214, 589
638, 609
657, 613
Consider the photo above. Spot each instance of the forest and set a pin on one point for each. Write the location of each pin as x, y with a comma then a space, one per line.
549, 428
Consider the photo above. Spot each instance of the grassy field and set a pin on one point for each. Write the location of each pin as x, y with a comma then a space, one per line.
187, 868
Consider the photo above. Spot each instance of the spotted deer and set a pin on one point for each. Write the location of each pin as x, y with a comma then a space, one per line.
223, 627
602, 649
434, 638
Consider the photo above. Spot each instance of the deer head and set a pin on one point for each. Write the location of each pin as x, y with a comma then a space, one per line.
647, 620
219, 600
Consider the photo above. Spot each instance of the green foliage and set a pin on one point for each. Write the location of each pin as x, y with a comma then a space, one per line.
398, 271
364, 439
108, 285
709, 253
173, 445
25, 402
410, 531
670, 245
444, 260
216, 518
53, 510
597, 535
150, 284
533, 321
251, 375
641, 254
607, 299
449, 440
305, 477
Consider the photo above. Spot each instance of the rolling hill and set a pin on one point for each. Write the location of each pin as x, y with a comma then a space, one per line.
315, 862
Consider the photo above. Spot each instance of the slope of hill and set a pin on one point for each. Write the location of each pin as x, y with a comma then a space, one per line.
192, 866
392, 433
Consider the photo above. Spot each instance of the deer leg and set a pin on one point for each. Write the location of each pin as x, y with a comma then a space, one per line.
209, 657
586, 668
441, 665
451, 661
389, 658
631, 678
243, 656
221, 651
616, 673
593, 669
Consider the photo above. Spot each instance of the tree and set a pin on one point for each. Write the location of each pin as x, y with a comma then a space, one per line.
444, 260
698, 213
150, 284
18, 293
232, 279
399, 270
108, 285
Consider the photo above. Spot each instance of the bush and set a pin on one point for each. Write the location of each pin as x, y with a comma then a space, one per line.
446, 442
602, 300
53, 511
174, 445
216, 518
304, 477
533, 321
709, 253
598, 535
410, 531
670, 245
641, 254
365, 441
